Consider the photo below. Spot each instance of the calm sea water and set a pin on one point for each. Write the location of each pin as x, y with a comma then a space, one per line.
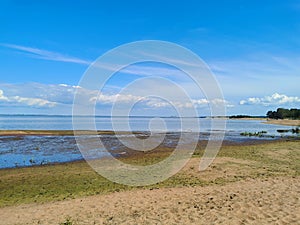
36, 150
33, 122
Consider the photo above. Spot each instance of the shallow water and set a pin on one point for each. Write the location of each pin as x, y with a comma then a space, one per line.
16, 151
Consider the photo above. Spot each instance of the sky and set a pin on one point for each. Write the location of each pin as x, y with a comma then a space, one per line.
251, 47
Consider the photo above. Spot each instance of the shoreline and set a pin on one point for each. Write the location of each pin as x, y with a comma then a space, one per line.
121, 152
135, 155
128, 154
50, 132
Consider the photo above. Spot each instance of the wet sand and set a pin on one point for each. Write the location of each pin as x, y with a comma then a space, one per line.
49, 132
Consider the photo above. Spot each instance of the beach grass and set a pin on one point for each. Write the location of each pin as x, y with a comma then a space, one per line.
76, 179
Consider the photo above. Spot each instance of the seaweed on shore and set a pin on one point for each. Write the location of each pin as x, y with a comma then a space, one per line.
256, 134
294, 130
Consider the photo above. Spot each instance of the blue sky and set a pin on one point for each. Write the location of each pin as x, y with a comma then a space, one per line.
252, 47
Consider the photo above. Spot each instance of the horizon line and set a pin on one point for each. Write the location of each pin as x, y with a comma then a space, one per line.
171, 116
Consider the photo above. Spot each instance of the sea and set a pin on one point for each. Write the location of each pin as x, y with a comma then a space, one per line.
32, 150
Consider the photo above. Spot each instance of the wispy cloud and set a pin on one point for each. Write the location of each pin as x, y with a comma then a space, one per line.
144, 69
152, 71
259, 74
189, 61
273, 100
46, 55
259, 66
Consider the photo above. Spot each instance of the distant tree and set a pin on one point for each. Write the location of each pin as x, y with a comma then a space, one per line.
295, 113
239, 116
270, 114
282, 113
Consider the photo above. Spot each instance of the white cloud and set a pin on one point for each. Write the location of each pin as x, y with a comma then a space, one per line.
200, 101
2, 97
26, 101
63, 85
156, 102
62, 95
117, 98
275, 99
32, 101
59, 93
47, 55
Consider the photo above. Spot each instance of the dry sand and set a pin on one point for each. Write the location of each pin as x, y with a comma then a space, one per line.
284, 122
267, 201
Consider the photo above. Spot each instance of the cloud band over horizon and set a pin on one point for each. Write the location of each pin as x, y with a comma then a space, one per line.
61, 95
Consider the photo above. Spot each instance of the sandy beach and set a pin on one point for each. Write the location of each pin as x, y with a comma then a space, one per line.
250, 184
264, 201
284, 122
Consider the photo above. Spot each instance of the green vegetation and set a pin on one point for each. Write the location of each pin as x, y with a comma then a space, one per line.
282, 113
294, 130
68, 221
256, 134
71, 180
52, 182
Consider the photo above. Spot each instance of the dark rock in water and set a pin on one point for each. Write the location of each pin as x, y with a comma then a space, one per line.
294, 131
283, 131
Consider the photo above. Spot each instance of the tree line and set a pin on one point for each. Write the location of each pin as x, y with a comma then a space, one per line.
282, 113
